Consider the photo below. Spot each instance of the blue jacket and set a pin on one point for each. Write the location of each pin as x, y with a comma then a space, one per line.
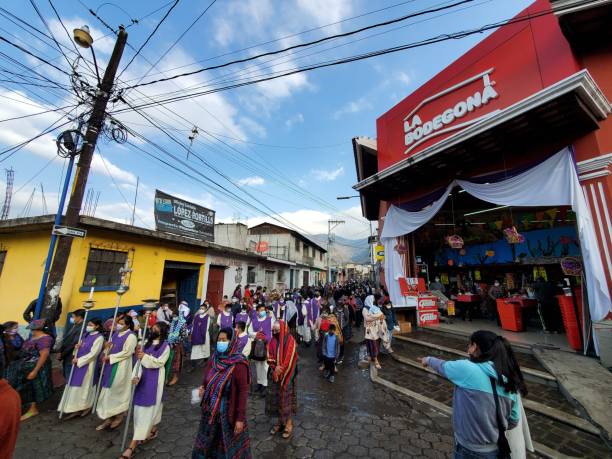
336, 346
474, 418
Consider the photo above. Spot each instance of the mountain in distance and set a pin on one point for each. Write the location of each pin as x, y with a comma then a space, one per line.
345, 250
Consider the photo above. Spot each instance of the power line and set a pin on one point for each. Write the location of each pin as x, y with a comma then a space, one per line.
286, 37
178, 39
33, 55
161, 21
302, 45
354, 58
42, 19
34, 114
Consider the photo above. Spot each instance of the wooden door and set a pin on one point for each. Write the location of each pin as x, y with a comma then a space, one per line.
305, 274
214, 291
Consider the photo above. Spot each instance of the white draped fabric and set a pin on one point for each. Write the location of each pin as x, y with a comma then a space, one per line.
553, 182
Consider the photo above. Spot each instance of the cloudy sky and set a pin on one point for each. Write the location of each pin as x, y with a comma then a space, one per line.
282, 146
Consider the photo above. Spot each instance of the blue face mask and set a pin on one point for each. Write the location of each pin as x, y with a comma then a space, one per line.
262, 314
222, 346
71, 320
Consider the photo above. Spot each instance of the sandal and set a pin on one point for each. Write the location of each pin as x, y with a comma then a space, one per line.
288, 432
132, 453
104, 425
152, 436
276, 429
71, 416
28, 415
116, 423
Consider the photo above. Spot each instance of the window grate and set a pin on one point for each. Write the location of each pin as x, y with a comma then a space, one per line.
103, 268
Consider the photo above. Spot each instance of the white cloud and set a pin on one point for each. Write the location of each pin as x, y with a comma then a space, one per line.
352, 107
403, 77
293, 120
323, 175
251, 181
253, 126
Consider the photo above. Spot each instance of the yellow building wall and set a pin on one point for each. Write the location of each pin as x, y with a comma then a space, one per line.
26, 252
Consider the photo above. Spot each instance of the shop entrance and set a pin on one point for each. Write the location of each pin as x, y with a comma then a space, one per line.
181, 281
270, 280
305, 276
486, 259
214, 291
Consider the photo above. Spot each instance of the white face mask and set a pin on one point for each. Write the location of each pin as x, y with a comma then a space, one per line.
89, 328
496, 284
437, 279
119, 327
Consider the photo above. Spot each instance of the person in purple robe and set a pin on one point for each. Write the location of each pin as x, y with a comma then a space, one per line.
80, 389
200, 336
149, 377
243, 344
225, 318
243, 316
261, 328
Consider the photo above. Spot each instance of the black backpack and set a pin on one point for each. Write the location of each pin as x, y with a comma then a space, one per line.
259, 350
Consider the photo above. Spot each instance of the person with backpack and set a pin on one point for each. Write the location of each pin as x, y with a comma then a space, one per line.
260, 332
486, 400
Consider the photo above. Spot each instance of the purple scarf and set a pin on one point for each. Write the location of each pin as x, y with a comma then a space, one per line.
78, 374
242, 342
146, 390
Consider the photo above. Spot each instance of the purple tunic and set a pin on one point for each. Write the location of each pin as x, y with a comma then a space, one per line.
146, 390
300, 314
242, 342
118, 342
78, 374
242, 317
200, 328
226, 321
264, 326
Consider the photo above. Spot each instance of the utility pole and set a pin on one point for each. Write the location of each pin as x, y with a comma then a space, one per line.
329, 244
94, 126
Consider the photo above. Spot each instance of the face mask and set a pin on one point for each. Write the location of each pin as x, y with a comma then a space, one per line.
14, 331
71, 320
261, 314
119, 327
437, 279
154, 334
496, 284
222, 346
89, 328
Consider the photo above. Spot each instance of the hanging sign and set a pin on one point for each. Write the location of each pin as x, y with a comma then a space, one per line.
450, 307
427, 311
261, 247
174, 215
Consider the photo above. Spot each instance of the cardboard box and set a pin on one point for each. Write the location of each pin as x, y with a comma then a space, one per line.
405, 327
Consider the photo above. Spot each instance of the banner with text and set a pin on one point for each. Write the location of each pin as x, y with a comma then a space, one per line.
177, 216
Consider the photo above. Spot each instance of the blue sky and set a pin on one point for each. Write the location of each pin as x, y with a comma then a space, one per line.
287, 142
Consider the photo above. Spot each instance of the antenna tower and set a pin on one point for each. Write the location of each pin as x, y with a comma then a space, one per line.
10, 177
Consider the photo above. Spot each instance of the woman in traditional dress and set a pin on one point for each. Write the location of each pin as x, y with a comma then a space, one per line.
31, 375
80, 390
223, 431
200, 335
114, 397
149, 378
375, 329
281, 399
177, 335
13, 342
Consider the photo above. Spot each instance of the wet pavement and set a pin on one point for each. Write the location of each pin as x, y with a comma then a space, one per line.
558, 436
351, 418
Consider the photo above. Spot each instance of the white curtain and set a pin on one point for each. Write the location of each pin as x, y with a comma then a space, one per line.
554, 182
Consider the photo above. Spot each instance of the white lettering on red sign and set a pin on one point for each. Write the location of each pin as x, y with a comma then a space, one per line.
416, 131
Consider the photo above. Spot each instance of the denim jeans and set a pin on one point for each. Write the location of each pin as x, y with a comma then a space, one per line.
461, 452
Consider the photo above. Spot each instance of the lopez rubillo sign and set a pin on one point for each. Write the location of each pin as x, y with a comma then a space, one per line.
174, 215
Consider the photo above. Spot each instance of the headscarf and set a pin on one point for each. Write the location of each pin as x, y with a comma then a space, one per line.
369, 304
223, 366
282, 354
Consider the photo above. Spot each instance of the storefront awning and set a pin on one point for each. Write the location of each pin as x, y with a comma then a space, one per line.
549, 119
586, 25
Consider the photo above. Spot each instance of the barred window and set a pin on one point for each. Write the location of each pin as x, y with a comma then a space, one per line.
2, 258
103, 268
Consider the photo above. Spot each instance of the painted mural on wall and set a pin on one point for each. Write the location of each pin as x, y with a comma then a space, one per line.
539, 246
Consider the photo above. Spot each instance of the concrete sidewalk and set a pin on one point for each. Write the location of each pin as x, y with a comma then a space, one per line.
585, 382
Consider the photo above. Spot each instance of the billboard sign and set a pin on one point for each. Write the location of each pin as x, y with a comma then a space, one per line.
174, 215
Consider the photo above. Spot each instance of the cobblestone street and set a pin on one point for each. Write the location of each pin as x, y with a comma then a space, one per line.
351, 418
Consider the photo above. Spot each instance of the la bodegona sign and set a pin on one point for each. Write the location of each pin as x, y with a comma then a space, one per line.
417, 131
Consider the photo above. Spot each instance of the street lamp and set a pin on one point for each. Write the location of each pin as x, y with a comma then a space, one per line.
83, 38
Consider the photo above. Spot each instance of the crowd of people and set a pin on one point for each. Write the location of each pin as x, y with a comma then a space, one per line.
246, 347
